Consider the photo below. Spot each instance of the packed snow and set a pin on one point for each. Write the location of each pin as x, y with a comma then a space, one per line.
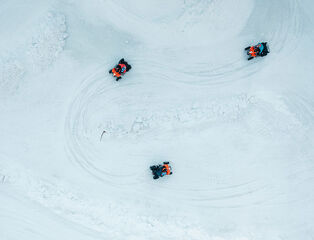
76, 145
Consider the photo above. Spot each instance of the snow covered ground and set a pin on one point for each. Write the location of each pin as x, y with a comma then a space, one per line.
239, 135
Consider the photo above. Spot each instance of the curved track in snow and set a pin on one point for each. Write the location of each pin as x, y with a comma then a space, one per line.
172, 106
76, 145
133, 114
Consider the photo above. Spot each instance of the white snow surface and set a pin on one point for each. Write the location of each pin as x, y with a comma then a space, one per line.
239, 134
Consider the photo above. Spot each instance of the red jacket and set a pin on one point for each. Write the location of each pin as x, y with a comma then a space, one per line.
166, 170
119, 73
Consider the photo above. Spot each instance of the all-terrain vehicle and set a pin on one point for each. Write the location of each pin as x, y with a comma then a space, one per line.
260, 49
120, 69
161, 170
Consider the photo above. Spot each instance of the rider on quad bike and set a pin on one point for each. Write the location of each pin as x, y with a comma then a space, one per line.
161, 170
120, 69
260, 49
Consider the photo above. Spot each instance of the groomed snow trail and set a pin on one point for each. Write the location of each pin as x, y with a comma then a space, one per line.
76, 146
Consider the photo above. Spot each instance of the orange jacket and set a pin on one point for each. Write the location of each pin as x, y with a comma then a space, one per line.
115, 73
252, 51
118, 74
167, 169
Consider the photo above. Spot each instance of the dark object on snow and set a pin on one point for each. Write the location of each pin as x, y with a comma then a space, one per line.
260, 49
161, 170
120, 69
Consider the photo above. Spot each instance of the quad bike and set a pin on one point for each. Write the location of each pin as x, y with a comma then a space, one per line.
260, 49
120, 69
161, 170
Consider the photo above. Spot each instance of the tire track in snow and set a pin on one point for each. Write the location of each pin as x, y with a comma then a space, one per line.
89, 111
97, 108
292, 125
280, 24
199, 73
283, 34
81, 136
104, 218
199, 62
